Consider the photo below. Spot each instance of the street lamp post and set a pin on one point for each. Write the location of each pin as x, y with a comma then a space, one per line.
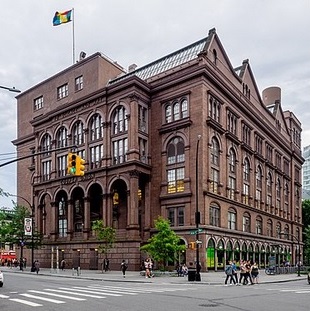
11, 89
31, 206
298, 244
197, 218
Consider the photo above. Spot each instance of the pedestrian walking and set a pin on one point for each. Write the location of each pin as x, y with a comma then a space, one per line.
254, 273
242, 272
62, 265
106, 264
247, 277
229, 273
37, 266
124, 267
235, 272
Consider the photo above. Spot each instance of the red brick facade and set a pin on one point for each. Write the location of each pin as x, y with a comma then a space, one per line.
138, 134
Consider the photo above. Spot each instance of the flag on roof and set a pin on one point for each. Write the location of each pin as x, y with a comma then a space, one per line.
62, 17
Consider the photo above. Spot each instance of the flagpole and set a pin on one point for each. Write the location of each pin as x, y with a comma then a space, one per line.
73, 38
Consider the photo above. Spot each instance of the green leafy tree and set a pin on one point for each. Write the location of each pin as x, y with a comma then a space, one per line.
307, 245
105, 235
164, 245
306, 231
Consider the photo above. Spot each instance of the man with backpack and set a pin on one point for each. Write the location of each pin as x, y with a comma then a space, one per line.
229, 270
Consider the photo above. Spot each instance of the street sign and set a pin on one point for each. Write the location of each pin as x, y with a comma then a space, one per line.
28, 226
195, 231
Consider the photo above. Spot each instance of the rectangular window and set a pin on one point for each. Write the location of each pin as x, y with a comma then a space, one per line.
62, 91
79, 83
246, 189
62, 165
214, 216
214, 180
38, 103
214, 109
246, 224
96, 154
175, 180
46, 170
231, 187
176, 216
232, 220
120, 149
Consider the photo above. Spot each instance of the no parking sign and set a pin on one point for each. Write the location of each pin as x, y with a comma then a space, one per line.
28, 226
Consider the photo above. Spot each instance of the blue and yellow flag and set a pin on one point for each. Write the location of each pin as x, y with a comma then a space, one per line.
62, 17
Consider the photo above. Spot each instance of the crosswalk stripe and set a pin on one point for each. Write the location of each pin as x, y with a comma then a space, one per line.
43, 298
73, 293
56, 295
303, 292
26, 302
112, 290
4, 296
82, 289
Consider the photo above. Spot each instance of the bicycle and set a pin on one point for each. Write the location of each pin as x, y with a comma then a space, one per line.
270, 271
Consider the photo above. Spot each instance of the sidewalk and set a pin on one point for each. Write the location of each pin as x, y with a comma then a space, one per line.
208, 278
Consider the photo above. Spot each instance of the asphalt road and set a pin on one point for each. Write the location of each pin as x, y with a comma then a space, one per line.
23, 292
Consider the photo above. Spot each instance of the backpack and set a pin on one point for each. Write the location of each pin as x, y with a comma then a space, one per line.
229, 270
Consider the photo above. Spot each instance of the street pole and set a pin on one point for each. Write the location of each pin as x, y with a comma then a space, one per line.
197, 218
32, 217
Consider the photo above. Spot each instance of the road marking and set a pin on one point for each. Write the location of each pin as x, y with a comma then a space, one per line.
26, 302
82, 289
111, 290
4, 296
57, 295
73, 293
42, 298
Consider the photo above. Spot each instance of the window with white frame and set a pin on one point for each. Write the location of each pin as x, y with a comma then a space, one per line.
96, 154
176, 110
62, 137
232, 219
259, 225
78, 133
120, 148
62, 218
79, 83
246, 223
96, 130
46, 170
120, 120
38, 103
62, 91
214, 215
62, 163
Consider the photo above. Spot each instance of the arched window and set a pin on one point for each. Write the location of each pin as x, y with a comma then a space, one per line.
176, 111
62, 137
246, 181
214, 215
184, 108
232, 219
168, 114
175, 165
259, 225
215, 151
246, 170
246, 222
46, 144
269, 228
120, 121
96, 127
78, 133
258, 194
176, 151
232, 161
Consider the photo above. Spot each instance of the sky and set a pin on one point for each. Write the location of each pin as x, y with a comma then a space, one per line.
273, 35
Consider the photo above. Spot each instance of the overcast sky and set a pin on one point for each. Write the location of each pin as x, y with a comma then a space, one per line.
273, 34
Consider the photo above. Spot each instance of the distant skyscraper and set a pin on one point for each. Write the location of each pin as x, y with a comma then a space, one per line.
306, 169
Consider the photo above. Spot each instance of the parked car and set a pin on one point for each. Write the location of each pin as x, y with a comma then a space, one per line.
1, 278
309, 278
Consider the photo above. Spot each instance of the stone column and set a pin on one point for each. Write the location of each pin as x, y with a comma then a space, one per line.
87, 224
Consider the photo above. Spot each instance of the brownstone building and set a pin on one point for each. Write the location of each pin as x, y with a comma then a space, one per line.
138, 132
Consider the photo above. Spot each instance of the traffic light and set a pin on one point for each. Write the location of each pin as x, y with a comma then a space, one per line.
80, 168
71, 168
192, 245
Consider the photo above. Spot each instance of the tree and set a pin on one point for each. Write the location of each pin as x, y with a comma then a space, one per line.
106, 236
164, 245
307, 245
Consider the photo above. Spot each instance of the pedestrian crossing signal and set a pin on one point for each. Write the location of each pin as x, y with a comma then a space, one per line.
71, 168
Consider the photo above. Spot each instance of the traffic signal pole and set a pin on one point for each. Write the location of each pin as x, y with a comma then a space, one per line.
35, 154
